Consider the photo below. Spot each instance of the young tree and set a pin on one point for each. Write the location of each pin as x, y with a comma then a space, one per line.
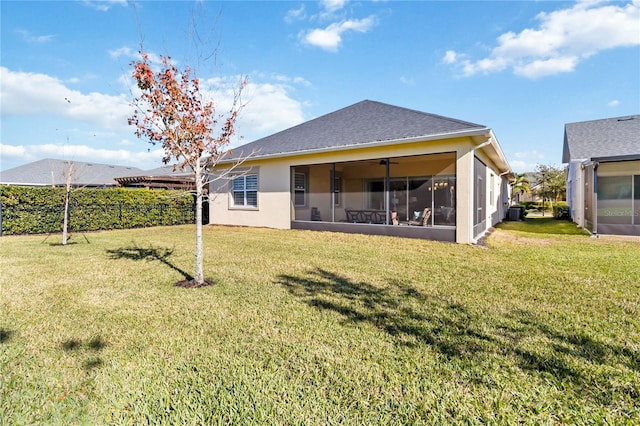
552, 183
65, 222
520, 186
172, 112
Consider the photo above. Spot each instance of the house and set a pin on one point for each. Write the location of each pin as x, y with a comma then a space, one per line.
51, 172
603, 179
160, 178
368, 168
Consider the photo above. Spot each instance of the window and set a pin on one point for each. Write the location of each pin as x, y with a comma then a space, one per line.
245, 191
337, 189
300, 189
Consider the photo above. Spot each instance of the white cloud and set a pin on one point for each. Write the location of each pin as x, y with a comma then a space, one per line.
12, 151
146, 159
613, 103
124, 51
561, 41
332, 5
268, 105
529, 154
408, 81
450, 57
295, 14
24, 93
330, 38
37, 39
99, 121
103, 5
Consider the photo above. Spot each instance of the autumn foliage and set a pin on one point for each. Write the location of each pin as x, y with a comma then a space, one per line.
170, 111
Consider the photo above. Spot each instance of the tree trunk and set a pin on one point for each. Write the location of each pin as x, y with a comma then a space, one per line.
198, 276
65, 221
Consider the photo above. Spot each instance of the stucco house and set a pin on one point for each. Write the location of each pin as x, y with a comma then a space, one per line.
603, 179
369, 168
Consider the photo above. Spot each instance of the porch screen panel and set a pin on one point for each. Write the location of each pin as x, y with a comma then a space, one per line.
615, 204
636, 200
479, 197
589, 217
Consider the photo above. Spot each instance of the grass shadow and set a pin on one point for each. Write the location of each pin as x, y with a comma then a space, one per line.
161, 254
5, 335
458, 332
91, 347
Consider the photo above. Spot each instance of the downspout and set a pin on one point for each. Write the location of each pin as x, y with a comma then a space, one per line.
333, 192
386, 191
595, 199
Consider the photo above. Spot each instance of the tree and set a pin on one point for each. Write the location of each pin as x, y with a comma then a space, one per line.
551, 182
171, 111
65, 222
520, 186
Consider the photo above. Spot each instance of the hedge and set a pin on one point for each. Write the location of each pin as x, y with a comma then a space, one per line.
34, 210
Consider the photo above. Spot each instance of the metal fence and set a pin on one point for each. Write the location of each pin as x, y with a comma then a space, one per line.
34, 219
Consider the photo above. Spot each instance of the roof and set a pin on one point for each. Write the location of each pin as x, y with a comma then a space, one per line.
617, 137
49, 172
364, 123
162, 177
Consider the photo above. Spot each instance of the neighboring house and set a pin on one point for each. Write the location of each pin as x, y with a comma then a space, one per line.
160, 178
369, 168
50, 172
603, 180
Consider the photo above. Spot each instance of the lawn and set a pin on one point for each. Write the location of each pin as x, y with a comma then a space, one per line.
540, 327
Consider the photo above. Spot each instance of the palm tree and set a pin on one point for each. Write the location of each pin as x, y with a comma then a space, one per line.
520, 186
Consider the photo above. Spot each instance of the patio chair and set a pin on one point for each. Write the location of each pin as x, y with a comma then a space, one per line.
423, 219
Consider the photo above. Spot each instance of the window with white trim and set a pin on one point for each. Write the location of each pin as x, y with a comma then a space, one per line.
300, 189
245, 191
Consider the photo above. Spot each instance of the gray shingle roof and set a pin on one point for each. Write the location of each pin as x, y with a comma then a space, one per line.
49, 171
609, 137
362, 123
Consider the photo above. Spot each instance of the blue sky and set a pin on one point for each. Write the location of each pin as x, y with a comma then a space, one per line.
522, 68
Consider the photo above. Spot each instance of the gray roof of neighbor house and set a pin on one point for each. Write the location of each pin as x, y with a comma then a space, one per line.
366, 122
49, 172
614, 138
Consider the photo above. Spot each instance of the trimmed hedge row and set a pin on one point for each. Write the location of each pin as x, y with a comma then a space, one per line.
35, 210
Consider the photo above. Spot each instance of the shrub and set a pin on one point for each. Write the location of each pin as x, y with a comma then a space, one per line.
561, 210
33, 210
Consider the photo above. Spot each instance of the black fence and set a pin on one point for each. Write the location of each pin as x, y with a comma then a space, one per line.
33, 219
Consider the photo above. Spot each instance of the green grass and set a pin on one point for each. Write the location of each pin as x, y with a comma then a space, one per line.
544, 225
320, 328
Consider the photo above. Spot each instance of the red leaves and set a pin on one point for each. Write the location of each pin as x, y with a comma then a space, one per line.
171, 111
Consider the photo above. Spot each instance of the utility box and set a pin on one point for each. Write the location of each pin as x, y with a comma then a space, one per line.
516, 213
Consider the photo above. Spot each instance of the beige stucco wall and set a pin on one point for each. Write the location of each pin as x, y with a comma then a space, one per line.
274, 181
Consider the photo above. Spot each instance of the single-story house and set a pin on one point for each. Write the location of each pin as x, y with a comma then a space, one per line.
368, 168
603, 178
161, 178
53, 172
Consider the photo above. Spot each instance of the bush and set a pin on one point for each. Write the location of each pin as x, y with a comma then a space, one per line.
561, 211
34, 210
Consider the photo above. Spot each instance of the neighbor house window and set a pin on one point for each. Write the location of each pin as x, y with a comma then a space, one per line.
300, 189
245, 191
